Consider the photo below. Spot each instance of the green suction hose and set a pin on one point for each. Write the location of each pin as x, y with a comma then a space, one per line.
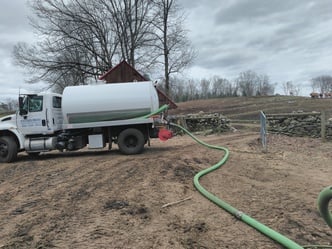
323, 204
323, 200
161, 109
243, 217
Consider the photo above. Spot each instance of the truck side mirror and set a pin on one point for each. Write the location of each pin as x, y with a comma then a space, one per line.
20, 104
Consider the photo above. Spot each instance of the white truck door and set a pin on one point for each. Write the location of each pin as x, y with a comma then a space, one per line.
33, 116
54, 113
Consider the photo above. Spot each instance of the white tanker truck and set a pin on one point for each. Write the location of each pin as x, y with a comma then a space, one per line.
90, 115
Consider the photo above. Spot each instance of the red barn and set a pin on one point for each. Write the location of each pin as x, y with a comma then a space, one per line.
123, 72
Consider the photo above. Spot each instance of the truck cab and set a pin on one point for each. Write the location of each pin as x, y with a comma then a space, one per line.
32, 127
39, 114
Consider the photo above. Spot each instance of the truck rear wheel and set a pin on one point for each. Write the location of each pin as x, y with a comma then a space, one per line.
131, 141
8, 149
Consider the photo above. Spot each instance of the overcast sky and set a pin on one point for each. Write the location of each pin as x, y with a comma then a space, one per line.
288, 40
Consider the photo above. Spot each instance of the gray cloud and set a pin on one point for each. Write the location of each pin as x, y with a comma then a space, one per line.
13, 16
287, 40
14, 27
255, 11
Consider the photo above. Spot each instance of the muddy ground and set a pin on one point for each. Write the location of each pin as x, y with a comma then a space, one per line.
91, 199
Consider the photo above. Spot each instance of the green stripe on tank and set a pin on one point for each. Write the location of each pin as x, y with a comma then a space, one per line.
89, 117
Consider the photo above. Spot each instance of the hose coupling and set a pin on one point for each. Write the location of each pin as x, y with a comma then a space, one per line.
238, 214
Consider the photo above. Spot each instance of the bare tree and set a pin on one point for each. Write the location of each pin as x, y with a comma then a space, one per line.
132, 24
86, 38
205, 88
290, 89
11, 103
75, 40
192, 90
222, 87
178, 89
323, 83
264, 87
217, 87
247, 82
171, 39
8, 105
81, 39
251, 84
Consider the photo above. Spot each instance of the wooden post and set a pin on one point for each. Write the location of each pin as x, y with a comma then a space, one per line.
183, 122
323, 125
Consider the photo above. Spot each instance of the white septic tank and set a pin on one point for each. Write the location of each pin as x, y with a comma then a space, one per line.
108, 102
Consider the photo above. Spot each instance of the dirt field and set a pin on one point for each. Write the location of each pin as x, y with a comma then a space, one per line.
107, 200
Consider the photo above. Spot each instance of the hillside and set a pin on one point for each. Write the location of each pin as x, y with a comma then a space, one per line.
243, 112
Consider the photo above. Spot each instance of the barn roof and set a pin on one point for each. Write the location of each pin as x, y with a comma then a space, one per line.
115, 69
123, 72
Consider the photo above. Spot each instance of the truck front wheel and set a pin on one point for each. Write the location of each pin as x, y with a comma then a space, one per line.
131, 141
8, 149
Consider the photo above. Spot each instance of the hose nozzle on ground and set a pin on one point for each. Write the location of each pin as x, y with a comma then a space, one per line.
324, 198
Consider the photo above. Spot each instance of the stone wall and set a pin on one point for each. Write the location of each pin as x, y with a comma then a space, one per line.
298, 124
290, 124
206, 123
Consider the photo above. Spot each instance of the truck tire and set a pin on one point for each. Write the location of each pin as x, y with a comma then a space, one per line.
8, 149
131, 141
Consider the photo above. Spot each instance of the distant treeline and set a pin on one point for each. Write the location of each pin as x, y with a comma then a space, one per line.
247, 84
8, 105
